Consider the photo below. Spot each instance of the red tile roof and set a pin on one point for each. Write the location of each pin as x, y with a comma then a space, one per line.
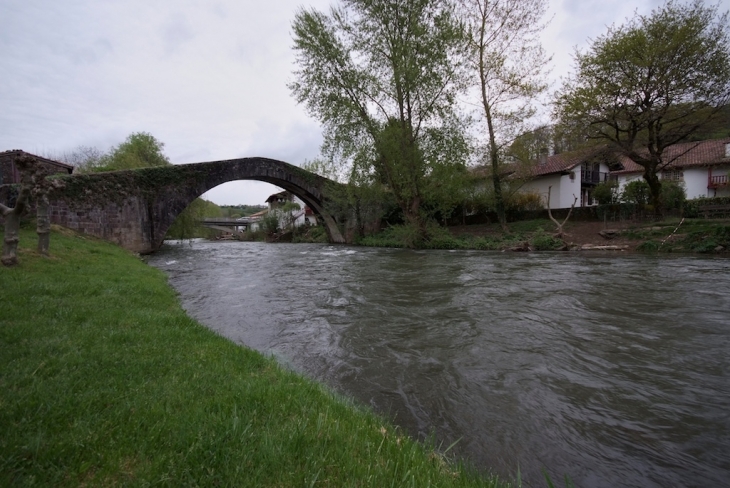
686, 154
701, 153
566, 161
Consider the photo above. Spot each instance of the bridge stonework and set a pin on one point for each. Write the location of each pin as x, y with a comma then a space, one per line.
135, 208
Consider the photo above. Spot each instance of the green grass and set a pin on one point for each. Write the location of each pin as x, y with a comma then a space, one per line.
693, 235
105, 381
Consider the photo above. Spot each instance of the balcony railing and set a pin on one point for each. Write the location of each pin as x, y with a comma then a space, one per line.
595, 177
719, 180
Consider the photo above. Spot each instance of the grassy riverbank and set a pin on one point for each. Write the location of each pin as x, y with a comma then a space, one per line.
106, 381
669, 235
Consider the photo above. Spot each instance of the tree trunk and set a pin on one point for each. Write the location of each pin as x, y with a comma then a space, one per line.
655, 189
43, 224
12, 227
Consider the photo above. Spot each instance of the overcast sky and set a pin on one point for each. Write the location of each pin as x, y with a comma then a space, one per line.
206, 78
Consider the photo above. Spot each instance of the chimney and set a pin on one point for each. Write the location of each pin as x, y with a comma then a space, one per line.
727, 149
542, 157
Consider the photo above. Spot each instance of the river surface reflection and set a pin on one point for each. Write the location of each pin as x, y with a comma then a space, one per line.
613, 369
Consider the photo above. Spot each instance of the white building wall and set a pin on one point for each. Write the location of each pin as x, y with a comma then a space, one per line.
540, 186
695, 183
570, 188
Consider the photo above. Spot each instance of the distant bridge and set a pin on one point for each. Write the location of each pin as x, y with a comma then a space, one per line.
135, 208
224, 222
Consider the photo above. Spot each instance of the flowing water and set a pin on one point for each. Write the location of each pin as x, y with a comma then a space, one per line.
613, 369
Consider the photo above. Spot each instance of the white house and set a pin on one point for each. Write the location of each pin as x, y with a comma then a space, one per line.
294, 217
703, 167
571, 177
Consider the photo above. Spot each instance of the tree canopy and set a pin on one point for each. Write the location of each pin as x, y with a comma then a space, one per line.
381, 76
651, 83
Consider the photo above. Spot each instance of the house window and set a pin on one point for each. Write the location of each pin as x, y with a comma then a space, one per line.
673, 175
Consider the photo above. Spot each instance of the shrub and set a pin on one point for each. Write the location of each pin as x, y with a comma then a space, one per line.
673, 194
525, 202
270, 223
606, 193
636, 192
649, 246
541, 241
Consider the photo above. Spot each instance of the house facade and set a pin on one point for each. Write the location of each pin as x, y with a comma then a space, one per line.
569, 177
290, 218
703, 168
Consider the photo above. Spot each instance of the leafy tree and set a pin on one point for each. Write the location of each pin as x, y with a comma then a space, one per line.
139, 150
507, 63
651, 83
187, 224
381, 77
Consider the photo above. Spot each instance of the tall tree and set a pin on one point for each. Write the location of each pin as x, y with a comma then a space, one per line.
380, 76
139, 150
507, 65
651, 83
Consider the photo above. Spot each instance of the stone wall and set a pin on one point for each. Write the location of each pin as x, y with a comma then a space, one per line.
126, 223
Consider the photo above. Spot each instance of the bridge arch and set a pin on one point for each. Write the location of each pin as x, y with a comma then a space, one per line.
135, 208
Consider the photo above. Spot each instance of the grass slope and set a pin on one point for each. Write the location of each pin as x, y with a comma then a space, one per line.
105, 381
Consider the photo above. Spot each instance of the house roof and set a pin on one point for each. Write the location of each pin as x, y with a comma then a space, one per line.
559, 163
14, 153
686, 154
258, 214
284, 195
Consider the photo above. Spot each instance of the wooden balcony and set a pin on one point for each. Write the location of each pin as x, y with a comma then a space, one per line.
717, 181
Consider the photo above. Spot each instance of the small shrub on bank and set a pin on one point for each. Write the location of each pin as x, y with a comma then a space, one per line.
542, 241
649, 246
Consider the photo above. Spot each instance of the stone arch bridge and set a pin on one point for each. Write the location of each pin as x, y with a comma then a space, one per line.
135, 208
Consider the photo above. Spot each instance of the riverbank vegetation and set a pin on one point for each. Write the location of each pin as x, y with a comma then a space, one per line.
106, 381
674, 234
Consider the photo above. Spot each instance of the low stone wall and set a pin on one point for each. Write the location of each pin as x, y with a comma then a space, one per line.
126, 224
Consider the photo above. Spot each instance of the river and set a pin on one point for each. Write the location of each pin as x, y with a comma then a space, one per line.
611, 368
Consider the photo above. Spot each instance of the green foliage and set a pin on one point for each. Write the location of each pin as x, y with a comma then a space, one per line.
139, 150
692, 208
270, 223
606, 192
649, 246
673, 194
651, 83
380, 77
541, 241
187, 224
524, 202
636, 192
